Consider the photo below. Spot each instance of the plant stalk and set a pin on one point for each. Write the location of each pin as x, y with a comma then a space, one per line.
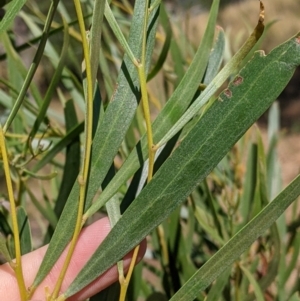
17, 265
141, 68
83, 176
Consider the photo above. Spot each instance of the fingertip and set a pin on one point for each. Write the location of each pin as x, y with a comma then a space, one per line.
142, 250
109, 277
90, 238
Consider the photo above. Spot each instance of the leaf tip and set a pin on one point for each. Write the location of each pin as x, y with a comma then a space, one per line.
262, 12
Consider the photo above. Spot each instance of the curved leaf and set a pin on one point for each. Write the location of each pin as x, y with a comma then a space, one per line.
108, 137
237, 108
175, 107
165, 49
238, 244
25, 233
52, 87
12, 11
3, 249
257, 290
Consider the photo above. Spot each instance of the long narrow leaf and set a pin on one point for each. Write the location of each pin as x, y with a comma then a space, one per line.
109, 135
71, 167
60, 145
3, 249
165, 49
33, 66
51, 89
12, 11
25, 233
245, 99
239, 243
219, 80
174, 108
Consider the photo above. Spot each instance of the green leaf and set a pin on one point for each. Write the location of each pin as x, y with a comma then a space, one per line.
295, 297
257, 290
17, 72
216, 57
53, 85
176, 105
12, 10
72, 164
4, 225
118, 33
249, 185
59, 146
96, 32
245, 99
295, 250
238, 244
71, 167
273, 166
230, 68
120, 111
46, 211
165, 49
218, 287
260, 194
201, 217
3, 249
33, 66
24, 234
178, 61
24, 229
108, 138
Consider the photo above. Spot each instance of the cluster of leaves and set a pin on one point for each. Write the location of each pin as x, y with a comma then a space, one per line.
206, 203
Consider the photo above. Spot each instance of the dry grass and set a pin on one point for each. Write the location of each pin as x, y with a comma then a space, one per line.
240, 18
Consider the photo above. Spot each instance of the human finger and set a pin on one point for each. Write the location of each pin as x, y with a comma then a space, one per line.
89, 239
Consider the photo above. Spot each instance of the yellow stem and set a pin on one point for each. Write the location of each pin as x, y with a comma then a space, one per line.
70, 251
145, 101
82, 178
163, 245
141, 67
146, 109
125, 281
17, 266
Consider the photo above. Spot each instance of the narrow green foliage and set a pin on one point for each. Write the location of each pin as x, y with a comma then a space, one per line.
107, 140
51, 89
12, 10
175, 106
238, 244
4, 250
25, 233
34, 65
206, 144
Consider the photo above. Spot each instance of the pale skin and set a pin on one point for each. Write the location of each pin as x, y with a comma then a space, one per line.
90, 238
